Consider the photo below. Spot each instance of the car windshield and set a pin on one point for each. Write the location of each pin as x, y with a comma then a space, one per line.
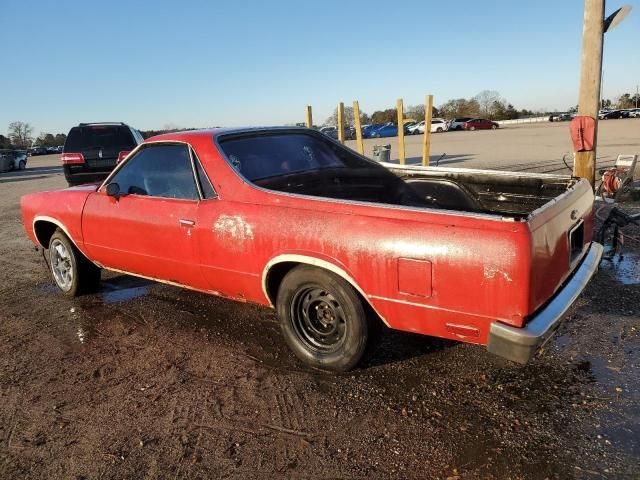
272, 155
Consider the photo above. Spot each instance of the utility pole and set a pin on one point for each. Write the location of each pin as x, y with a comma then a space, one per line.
637, 95
590, 82
595, 26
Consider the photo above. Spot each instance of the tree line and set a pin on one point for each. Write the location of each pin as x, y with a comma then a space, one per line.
21, 136
487, 104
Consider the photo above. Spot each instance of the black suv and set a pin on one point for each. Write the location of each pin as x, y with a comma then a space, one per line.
92, 150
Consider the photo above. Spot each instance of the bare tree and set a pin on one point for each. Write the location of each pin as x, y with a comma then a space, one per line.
349, 118
21, 134
488, 100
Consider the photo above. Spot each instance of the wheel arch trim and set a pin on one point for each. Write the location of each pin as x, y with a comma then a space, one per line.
59, 224
316, 262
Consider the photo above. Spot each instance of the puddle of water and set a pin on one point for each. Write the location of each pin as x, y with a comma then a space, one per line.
122, 295
121, 289
626, 269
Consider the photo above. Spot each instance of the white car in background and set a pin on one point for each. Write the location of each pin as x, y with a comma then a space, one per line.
458, 123
438, 125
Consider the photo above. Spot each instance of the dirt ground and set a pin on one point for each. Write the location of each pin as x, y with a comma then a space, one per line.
143, 380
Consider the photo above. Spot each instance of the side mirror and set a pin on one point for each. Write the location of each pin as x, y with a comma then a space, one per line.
113, 190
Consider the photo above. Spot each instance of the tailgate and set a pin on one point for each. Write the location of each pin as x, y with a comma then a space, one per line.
561, 231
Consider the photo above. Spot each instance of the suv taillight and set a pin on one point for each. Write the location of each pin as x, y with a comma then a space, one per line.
123, 155
72, 158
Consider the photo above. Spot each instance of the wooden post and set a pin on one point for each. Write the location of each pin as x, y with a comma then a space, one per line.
356, 119
309, 117
341, 122
590, 78
426, 138
400, 109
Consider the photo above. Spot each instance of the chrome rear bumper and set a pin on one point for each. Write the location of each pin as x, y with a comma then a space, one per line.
521, 344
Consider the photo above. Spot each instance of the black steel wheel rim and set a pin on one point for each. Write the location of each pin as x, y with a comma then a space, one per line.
318, 319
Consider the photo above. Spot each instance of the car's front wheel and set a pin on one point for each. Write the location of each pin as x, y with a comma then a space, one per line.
22, 165
322, 319
472, 128
72, 272
494, 126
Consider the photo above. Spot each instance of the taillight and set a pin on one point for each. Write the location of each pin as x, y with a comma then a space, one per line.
122, 156
72, 158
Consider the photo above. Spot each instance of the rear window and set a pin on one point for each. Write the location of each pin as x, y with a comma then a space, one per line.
265, 156
99, 136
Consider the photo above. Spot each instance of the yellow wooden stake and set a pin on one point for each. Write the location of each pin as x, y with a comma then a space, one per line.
356, 119
426, 138
309, 117
400, 109
341, 122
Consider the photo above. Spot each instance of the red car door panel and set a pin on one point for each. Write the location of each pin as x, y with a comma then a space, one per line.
148, 236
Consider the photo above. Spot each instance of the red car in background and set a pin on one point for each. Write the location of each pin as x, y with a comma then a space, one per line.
480, 124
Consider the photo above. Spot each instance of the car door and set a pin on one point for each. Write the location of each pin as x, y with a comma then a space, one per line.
148, 228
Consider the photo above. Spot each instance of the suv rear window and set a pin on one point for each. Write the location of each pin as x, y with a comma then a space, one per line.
103, 136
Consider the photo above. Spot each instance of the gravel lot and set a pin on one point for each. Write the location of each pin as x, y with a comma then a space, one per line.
143, 380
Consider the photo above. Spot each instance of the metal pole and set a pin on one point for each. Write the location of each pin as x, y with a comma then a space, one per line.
590, 81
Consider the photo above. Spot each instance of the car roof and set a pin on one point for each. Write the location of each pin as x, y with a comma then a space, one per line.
189, 135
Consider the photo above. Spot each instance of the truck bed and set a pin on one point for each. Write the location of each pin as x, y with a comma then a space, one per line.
506, 194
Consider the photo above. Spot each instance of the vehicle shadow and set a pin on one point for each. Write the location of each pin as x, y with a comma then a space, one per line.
29, 174
396, 346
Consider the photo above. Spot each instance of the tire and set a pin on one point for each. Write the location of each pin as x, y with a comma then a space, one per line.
322, 318
22, 165
493, 127
72, 273
439, 130
472, 128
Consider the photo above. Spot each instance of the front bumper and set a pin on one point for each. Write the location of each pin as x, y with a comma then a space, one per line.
521, 344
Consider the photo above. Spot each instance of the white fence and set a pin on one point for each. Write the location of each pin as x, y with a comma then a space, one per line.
524, 120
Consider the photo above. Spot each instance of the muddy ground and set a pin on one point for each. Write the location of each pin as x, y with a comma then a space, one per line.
143, 380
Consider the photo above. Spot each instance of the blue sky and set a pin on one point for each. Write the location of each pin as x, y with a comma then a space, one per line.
208, 63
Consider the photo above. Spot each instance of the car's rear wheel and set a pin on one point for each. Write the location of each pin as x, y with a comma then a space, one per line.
322, 318
71, 271
493, 127
439, 130
472, 128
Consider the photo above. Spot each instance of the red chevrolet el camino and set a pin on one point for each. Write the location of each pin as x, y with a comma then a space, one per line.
337, 243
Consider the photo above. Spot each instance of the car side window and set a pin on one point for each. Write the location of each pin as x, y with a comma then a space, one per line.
205, 184
158, 171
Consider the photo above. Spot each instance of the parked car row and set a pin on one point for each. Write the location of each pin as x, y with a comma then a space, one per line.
615, 114
349, 132
33, 151
390, 129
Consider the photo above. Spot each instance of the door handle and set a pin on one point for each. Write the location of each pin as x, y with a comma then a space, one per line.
186, 223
